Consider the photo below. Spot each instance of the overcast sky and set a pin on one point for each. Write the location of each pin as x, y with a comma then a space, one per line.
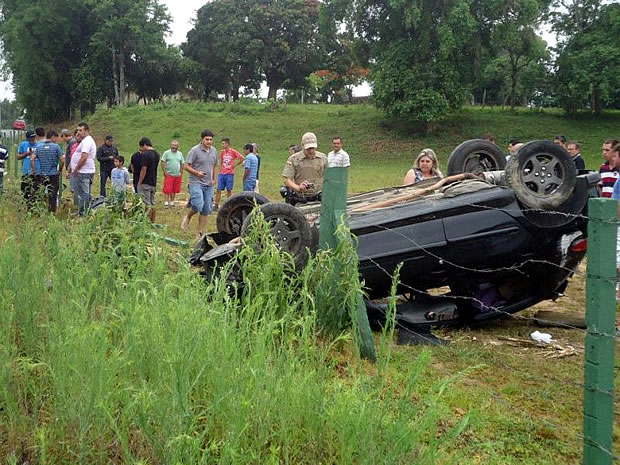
183, 13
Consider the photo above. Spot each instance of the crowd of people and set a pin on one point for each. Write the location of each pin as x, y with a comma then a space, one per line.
211, 173
44, 160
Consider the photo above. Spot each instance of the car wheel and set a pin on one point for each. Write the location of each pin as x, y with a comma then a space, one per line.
542, 175
476, 156
289, 228
235, 210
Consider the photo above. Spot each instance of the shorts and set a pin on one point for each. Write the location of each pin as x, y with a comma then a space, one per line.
147, 193
201, 198
172, 184
225, 181
249, 185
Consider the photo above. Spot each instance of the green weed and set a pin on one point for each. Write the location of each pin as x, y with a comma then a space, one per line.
113, 350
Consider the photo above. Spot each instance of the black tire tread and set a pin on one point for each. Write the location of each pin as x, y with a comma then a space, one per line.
523, 194
272, 211
459, 156
235, 205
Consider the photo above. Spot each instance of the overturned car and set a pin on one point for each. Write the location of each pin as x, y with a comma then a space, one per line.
488, 240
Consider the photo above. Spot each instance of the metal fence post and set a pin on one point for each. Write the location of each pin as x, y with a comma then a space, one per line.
598, 402
333, 213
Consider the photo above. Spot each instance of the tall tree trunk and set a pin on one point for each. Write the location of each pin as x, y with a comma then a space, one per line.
513, 88
115, 76
273, 92
121, 76
596, 99
484, 97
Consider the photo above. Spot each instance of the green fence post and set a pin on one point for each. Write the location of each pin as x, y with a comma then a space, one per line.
598, 404
333, 213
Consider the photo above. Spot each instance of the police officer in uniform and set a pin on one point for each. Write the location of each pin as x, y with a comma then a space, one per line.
303, 172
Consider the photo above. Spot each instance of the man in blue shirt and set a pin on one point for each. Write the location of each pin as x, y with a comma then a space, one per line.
250, 169
23, 153
48, 154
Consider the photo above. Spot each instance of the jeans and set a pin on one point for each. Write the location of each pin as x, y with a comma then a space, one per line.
27, 187
105, 175
49, 184
82, 191
201, 198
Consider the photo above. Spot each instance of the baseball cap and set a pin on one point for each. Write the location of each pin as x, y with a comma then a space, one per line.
308, 140
30, 134
109, 137
64, 132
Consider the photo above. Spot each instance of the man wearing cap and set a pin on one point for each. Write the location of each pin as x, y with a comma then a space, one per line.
304, 171
26, 148
106, 155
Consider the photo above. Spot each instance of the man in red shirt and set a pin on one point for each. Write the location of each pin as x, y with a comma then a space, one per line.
229, 160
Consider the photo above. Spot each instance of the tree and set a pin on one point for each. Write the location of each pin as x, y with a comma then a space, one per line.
287, 34
423, 54
588, 59
222, 43
9, 112
515, 39
127, 28
78, 58
154, 76
42, 51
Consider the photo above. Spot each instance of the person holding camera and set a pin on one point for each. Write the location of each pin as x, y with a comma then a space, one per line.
303, 172
24, 152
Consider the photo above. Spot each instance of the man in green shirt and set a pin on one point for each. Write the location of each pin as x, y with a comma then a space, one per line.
171, 163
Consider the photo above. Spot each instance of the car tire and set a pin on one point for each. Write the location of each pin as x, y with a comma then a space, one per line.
290, 229
542, 175
236, 209
476, 156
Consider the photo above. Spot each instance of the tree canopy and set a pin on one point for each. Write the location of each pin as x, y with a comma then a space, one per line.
423, 58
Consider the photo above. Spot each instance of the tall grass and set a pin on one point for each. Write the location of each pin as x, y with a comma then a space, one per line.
113, 350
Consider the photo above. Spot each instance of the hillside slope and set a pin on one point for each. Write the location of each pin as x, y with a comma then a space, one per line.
381, 150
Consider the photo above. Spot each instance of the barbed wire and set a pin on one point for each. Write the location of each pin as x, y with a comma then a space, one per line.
481, 303
512, 405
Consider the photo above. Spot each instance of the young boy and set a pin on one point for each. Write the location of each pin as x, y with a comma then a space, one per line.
229, 160
120, 176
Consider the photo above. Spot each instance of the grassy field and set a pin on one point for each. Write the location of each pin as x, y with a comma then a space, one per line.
381, 150
112, 350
